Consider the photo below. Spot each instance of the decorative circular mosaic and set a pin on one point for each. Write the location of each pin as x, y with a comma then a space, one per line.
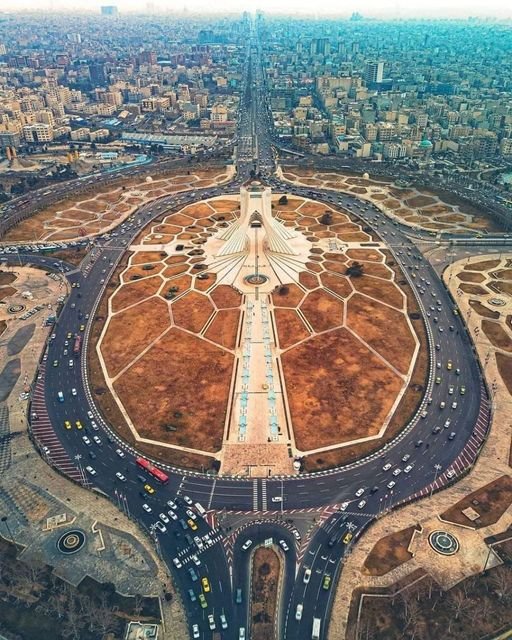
443, 543
71, 541
497, 302
255, 279
16, 308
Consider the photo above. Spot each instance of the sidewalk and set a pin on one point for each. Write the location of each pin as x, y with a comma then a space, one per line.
492, 463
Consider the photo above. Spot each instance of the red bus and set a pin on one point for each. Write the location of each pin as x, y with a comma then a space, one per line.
76, 346
159, 475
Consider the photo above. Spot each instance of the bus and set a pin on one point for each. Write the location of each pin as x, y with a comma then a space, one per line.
77, 345
159, 475
315, 634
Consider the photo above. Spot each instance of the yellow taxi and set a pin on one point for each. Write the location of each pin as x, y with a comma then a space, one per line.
347, 538
78, 424
149, 489
82, 327
67, 424
449, 365
205, 584
192, 524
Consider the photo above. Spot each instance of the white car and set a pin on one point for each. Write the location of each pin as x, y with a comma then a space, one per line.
223, 621
406, 457
97, 439
344, 506
195, 631
163, 518
161, 527
86, 440
450, 473
187, 500
172, 515
120, 476
147, 508
91, 471
447, 423
90, 415
298, 612
450, 390
296, 534
391, 484
454, 405
191, 514
211, 622
359, 492
172, 504
361, 504
71, 363
408, 468
387, 466
246, 545
120, 453
176, 562
284, 546
397, 471
307, 575
277, 499
73, 391
196, 560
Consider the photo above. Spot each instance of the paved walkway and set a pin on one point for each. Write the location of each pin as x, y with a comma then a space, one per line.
492, 463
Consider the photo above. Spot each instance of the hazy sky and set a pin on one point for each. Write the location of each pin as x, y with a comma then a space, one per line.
394, 8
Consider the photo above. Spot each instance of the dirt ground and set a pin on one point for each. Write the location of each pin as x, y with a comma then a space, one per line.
337, 283
505, 368
468, 276
266, 569
290, 328
337, 390
226, 297
192, 311
389, 552
287, 296
484, 311
483, 265
490, 501
497, 335
224, 327
322, 310
186, 386
135, 291
379, 289
73, 256
473, 289
6, 278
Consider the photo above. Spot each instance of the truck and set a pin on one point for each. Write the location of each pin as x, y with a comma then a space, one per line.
315, 633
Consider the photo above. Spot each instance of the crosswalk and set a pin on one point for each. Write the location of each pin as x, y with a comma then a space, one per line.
206, 541
5, 440
264, 495
255, 495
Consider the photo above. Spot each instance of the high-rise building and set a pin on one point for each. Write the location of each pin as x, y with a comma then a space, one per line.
109, 10
374, 72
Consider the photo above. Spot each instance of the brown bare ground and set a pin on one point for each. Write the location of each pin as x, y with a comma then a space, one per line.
175, 270
337, 284
291, 205
322, 310
314, 266
483, 265
492, 501
379, 289
266, 569
225, 206
376, 269
503, 274
497, 335
178, 219
192, 311
468, 276
504, 363
3, 326
226, 297
72, 256
141, 257
135, 291
389, 552
337, 267
308, 280
358, 236
134, 273
502, 286
223, 330
483, 311
6, 292
131, 331
290, 328
418, 202
473, 289
6, 277
337, 390
176, 259
203, 285
199, 210
186, 385
383, 328
372, 255
288, 295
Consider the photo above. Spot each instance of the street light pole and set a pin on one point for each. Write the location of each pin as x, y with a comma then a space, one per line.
438, 468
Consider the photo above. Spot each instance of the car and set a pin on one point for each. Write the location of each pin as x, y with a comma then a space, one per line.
196, 560
449, 365
452, 435
391, 484
397, 471
296, 534
438, 365
307, 575
450, 473
69, 335
147, 508
73, 391
438, 380
223, 621
447, 423
298, 611
344, 505
97, 439
241, 633
160, 526
193, 574
55, 363
172, 515
451, 390
277, 499
283, 545
120, 476
70, 363
191, 514
238, 596
438, 346
163, 518
359, 492
326, 583
442, 404
192, 524
361, 504
418, 443
172, 504
387, 466
436, 429
195, 627
95, 427
149, 489
177, 563
462, 390
188, 500
91, 471
205, 584
408, 468
454, 404
82, 327
67, 424
406, 457
246, 545
202, 601
92, 455
86, 440
78, 424
120, 453
347, 537
197, 540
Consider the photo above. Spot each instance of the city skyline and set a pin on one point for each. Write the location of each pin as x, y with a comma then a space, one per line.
372, 8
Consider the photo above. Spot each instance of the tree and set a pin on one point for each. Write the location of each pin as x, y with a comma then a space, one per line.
326, 218
459, 604
501, 581
355, 270
283, 200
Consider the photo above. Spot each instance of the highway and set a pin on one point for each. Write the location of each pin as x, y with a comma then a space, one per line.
426, 445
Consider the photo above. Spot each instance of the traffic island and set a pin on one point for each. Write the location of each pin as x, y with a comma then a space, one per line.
265, 586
